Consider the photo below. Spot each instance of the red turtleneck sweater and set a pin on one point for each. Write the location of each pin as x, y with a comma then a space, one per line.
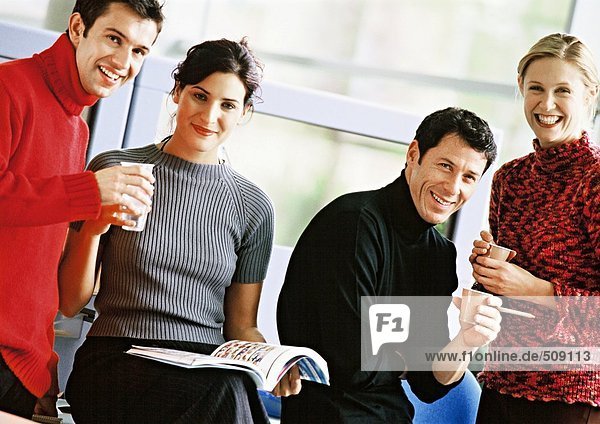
546, 206
43, 142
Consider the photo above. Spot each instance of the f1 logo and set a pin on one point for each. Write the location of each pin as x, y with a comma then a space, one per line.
389, 323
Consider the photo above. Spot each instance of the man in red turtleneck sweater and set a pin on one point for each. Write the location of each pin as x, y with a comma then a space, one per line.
43, 142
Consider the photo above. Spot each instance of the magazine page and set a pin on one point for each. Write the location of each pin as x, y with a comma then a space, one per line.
265, 363
274, 361
197, 360
261, 355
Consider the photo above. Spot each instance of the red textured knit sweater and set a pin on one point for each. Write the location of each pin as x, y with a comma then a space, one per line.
546, 206
43, 141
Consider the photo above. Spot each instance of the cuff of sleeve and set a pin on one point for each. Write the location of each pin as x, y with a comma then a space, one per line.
427, 388
83, 194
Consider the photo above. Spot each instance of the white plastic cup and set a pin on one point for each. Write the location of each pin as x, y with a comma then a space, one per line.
140, 220
500, 253
471, 299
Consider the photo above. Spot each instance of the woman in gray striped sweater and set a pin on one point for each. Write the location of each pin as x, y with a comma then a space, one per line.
191, 279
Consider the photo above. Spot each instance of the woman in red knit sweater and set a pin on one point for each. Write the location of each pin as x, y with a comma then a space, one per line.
545, 206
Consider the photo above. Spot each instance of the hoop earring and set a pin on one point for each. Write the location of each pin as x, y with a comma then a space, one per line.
222, 156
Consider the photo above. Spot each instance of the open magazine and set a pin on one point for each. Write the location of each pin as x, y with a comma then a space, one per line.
265, 363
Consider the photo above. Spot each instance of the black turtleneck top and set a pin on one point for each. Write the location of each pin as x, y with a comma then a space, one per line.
371, 243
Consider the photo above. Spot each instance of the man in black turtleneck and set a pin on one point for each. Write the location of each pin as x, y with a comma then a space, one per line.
383, 243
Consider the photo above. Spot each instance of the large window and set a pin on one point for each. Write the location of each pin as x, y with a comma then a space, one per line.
332, 163
415, 56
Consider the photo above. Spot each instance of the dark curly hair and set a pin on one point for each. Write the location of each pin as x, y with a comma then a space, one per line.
225, 56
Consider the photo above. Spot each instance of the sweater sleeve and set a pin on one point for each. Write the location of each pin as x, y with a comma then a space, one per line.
34, 201
591, 218
578, 307
435, 333
591, 213
334, 263
257, 241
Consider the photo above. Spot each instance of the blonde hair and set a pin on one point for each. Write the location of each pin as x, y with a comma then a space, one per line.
570, 49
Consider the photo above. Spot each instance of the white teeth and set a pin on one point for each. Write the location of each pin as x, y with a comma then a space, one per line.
548, 120
440, 200
109, 74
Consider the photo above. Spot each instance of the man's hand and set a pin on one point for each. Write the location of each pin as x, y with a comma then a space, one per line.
488, 320
469, 338
290, 384
134, 181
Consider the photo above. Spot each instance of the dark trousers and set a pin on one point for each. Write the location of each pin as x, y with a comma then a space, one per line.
14, 398
109, 386
320, 404
496, 408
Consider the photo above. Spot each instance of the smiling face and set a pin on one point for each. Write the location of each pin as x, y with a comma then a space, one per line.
443, 179
113, 50
207, 113
556, 101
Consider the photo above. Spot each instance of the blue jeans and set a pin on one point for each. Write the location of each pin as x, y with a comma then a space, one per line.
14, 397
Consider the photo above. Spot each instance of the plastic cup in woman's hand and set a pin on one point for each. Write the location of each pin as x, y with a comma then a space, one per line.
500, 253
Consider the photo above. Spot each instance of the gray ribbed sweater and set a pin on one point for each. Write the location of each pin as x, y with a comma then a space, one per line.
208, 226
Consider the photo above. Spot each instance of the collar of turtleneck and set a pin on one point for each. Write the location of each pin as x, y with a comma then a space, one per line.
60, 71
406, 218
564, 157
194, 171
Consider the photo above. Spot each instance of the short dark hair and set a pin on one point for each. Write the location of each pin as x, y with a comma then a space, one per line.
91, 10
473, 130
229, 57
